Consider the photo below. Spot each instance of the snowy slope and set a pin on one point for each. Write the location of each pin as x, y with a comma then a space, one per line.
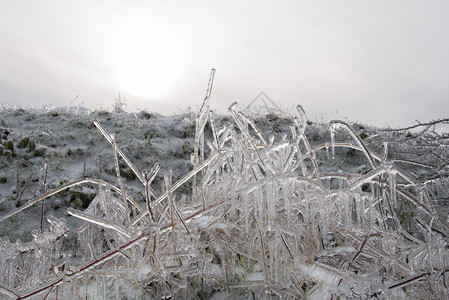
42, 150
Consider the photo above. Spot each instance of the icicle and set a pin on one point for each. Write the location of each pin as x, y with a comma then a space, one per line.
269, 199
392, 176
286, 191
385, 154
302, 119
246, 215
214, 130
332, 129
327, 150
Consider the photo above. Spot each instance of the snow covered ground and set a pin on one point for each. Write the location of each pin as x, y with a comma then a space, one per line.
307, 211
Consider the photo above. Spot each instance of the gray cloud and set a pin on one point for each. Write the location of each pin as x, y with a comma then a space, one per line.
377, 62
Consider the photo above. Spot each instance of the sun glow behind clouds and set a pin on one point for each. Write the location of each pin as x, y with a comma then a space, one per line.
142, 70
142, 55
325, 56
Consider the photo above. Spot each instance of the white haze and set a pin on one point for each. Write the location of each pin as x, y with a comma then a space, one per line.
377, 62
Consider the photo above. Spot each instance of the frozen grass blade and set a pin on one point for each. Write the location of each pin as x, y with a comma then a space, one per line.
179, 183
200, 122
58, 190
99, 221
244, 130
148, 179
117, 170
254, 126
337, 123
119, 151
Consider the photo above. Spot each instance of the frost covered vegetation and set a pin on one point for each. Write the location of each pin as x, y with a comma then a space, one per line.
108, 204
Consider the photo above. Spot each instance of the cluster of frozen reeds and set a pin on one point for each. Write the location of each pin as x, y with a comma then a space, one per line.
264, 217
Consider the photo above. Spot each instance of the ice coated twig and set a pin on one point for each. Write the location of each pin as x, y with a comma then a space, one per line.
167, 179
178, 214
358, 252
247, 157
286, 246
200, 122
380, 252
45, 190
179, 183
99, 221
61, 188
119, 151
84, 268
209, 90
427, 125
23, 190
408, 280
370, 175
244, 130
117, 170
214, 130
337, 123
216, 221
8, 291
253, 125
148, 179
301, 124
226, 275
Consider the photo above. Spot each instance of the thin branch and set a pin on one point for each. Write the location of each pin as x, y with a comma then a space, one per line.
419, 124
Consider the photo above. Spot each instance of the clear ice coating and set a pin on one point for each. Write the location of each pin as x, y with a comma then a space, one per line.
270, 216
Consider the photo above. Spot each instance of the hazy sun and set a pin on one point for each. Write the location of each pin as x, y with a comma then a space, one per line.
142, 76
143, 61
144, 71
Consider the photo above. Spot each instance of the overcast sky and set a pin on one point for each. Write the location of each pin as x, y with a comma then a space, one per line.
375, 62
